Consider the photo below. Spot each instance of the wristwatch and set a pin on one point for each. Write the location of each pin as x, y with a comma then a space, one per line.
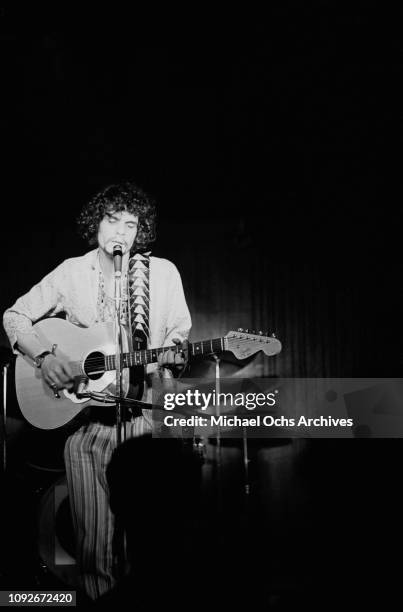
39, 358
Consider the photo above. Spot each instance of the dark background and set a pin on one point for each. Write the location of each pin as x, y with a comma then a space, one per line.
270, 149
270, 155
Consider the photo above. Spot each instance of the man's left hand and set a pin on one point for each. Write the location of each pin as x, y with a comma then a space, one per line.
175, 358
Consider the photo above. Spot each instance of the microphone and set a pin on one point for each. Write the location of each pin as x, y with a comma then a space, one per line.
117, 259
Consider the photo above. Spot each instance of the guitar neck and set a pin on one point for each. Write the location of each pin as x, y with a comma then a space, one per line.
205, 347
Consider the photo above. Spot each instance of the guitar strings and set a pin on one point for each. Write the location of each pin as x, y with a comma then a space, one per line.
159, 350
100, 361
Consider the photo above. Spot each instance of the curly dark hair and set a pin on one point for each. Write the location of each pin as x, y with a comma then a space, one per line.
125, 196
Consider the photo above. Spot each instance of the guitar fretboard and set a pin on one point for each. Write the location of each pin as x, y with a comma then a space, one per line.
205, 347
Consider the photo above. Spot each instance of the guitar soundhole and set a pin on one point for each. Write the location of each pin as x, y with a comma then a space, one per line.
94, 365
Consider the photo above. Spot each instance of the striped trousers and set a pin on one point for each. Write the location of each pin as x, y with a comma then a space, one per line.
87, 453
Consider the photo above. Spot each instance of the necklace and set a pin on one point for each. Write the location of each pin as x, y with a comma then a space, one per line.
106, 303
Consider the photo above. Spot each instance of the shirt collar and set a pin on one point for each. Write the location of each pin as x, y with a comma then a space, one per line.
93, 256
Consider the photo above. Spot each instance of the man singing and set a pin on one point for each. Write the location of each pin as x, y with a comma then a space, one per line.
154, 311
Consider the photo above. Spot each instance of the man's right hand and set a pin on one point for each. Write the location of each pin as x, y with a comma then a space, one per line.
56, 371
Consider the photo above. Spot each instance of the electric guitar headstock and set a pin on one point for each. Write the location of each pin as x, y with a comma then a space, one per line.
243, 343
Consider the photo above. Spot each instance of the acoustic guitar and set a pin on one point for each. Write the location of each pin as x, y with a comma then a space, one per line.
91, 354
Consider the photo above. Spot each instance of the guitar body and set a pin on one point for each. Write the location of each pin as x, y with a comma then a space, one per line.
79, 345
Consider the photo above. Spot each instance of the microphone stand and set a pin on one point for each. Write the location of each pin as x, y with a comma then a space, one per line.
6, 358
218, 435
117, 260
119, 534
3, 433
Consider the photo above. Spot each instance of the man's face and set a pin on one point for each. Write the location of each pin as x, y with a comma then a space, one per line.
117, 228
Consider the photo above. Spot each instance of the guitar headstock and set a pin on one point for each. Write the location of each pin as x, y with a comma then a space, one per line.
244, 343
